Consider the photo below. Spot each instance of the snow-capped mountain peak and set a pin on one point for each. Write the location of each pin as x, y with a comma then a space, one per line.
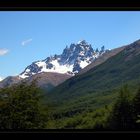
82, 42
71, 61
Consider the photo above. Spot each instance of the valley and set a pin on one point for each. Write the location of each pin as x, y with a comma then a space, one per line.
84, 100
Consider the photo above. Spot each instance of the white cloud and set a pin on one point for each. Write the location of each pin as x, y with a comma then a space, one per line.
3, 51
25, 42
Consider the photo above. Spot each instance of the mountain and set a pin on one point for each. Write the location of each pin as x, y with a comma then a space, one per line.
48, 80
9, 81
71, 61
101, 59
57, 68
121, 68
45, 80
76, 102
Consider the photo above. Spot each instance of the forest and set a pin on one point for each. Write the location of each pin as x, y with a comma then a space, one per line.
22, 107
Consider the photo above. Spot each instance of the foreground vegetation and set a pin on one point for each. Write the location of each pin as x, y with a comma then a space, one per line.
22, 107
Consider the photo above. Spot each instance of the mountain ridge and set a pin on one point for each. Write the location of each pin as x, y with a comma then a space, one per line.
101, 59
71, 61
44, 79
121, 68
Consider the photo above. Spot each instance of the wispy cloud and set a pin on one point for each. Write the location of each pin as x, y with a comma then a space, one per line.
3, 51
25, 42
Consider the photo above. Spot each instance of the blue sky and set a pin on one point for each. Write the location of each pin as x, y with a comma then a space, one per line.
34, 35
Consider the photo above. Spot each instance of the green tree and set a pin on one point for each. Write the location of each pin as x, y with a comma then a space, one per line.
20, 107
121, 115
136, 109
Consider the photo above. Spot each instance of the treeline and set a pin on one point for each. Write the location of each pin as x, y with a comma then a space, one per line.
21, 107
